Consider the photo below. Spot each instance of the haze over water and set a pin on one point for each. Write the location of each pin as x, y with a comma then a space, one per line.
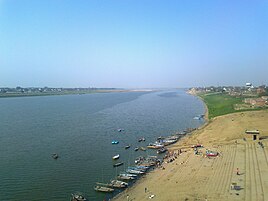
80, 129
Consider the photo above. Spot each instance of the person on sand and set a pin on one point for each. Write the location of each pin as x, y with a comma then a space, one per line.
237, 171
127, 197
145, 189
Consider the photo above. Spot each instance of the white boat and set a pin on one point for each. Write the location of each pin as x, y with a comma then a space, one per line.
134, 171
128, 175
121, 177
116, 156
118, 184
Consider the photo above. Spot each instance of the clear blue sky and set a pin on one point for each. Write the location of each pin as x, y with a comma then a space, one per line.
133, 43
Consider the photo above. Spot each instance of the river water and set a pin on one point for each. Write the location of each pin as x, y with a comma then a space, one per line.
80, 129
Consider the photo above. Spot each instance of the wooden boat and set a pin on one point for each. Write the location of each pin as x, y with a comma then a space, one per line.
141, 139
78, 197
121, 177
136, 148
162, 150
103, 189
167, 142
155, 146
118, 164
128, 146
115, 142
139, 168
142, 148
130, 171
118, 184
55, 156
116, 157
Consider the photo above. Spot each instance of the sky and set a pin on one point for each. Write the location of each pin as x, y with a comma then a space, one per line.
133, 43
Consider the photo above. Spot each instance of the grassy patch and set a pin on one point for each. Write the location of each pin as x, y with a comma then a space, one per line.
220, 104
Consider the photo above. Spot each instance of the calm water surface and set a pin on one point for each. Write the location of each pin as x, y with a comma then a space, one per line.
80, 129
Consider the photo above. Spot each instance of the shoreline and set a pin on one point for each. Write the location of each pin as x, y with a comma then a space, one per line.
187, 177
16, 95
170, 147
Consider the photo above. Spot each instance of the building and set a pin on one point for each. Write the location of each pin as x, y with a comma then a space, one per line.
252, 134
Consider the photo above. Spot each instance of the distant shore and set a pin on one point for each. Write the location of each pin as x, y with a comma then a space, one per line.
82, 92
241, 161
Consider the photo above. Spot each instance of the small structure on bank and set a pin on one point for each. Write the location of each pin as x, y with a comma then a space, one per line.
252, 134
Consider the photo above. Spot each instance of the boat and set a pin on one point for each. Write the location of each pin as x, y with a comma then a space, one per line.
139, 159
155, 146
162, 150
142, 148
140, 168
134, 171
199, 117
103, 189
118, 184
136, 148
115, 142
128, 146
122, 177
128, 175
120, 129
211, 153
167, 142
141, 139
116, 157
118, 164
78, 197
55, 156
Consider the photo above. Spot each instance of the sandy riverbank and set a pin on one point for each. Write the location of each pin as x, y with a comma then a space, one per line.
195, 177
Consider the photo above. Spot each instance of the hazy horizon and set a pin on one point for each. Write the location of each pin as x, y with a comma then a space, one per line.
133, 44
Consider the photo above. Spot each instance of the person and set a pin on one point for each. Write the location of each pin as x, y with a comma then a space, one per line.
127, 197
145, 189
237, 171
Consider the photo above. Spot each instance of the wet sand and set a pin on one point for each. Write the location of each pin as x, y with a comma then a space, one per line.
196, 177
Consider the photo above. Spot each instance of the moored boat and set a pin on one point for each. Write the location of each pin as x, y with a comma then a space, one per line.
162, 150
118, 184
128, 175
103, 189
121, 177
155, 146
134, 171
136, 148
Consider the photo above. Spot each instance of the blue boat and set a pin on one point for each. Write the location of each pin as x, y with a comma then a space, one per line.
115, 142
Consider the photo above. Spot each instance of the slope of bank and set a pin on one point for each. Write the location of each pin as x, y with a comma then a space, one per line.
196, 177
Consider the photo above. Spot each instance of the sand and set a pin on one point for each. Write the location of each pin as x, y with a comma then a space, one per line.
196, 177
